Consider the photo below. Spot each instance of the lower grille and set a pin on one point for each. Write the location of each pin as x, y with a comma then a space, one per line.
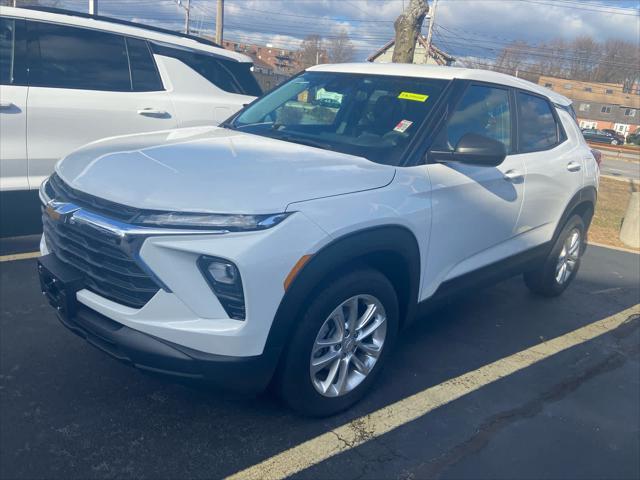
108, 270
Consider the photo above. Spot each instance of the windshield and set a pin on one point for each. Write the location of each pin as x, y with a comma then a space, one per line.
371, 116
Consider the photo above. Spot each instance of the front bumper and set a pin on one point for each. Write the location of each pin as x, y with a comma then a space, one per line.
187, 313
146, 352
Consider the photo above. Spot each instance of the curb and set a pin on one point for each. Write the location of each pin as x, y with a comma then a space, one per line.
630, 231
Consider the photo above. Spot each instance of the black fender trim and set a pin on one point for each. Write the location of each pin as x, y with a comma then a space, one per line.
362, 247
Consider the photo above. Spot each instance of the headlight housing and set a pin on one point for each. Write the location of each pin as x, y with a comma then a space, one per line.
224, 280
209, 221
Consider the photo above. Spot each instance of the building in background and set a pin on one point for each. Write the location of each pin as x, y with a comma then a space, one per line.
435, 57
271, 65
601, 105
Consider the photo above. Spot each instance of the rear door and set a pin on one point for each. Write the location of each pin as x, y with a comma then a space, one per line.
205, 88
475, 208
553, 154
13, 107
86, 85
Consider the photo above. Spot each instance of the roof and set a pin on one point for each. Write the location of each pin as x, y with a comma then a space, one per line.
439, 72
435, 51
67, 17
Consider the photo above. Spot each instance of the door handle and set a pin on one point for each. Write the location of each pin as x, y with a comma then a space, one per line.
573, 166
512, 176
4, 104
152, 112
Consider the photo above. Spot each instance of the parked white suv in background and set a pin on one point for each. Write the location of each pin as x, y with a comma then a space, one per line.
292, 243
67, 79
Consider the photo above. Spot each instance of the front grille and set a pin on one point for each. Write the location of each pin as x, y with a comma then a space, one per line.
108, 270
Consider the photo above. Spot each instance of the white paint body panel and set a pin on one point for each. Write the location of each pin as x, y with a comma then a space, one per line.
226, 171
13, 141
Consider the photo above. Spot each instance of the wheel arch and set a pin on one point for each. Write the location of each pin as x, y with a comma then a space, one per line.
393, 250
583, 203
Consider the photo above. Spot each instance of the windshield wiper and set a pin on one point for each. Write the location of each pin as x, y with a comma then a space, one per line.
305, 141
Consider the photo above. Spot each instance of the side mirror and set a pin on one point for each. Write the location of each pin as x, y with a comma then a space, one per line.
479, 150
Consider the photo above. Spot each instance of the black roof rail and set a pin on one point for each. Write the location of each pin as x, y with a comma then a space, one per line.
117, 21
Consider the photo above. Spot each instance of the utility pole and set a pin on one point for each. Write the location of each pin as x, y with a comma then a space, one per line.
219, 21
407, 27
432, 21
93, 7
187, 14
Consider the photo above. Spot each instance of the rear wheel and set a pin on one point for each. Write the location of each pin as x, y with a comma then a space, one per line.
341, 343
561, 266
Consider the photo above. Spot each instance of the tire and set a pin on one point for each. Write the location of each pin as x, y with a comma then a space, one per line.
547, 280
614, 142
294, 381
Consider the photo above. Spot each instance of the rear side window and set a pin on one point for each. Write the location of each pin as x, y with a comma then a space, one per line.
482, 110
228, 75
68, 57
144, 74
537, 127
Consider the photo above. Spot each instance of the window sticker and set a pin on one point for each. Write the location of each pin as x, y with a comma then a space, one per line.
416, 97
402, 126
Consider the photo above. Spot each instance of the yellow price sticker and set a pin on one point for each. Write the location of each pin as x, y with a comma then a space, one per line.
416, 97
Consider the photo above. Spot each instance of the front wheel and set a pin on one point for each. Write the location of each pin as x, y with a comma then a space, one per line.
343, 339
614, 142
561, 266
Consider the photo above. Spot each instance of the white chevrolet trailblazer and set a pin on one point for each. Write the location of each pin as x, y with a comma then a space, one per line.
292, 243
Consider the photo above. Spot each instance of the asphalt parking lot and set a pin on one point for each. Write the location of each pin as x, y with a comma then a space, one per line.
69, 411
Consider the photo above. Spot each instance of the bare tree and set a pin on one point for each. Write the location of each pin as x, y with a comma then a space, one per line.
311, 51
341, 48
619, 63
512, 58
585, 54
407, 27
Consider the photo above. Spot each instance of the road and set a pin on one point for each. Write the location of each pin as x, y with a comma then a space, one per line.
69, 411
620, 168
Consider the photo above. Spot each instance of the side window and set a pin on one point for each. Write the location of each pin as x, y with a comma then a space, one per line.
482, 110
230, 76
537, 128
7, 42
144, 74
69, 57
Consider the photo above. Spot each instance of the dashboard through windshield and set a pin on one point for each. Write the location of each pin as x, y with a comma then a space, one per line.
371, 116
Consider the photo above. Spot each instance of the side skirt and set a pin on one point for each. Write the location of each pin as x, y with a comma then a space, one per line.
486, 276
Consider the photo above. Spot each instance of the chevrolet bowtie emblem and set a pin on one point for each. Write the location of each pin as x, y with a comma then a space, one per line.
59, 211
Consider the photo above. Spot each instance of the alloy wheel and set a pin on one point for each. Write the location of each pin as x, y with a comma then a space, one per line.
348, 345
569, 256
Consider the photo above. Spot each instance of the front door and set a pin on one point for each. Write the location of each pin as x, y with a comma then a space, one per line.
475, 208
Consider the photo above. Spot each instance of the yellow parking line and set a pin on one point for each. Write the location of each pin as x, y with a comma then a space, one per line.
386, 419
18, 256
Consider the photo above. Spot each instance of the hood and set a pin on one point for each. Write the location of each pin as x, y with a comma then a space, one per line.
215, 170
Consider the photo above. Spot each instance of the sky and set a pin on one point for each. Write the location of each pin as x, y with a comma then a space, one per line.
464, 28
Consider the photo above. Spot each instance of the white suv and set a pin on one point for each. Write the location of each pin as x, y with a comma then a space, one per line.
67, 79
292, 243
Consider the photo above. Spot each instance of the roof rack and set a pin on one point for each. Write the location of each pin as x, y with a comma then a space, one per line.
117, 21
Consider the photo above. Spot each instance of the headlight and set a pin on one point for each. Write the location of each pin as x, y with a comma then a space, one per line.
224, 279
210, 221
